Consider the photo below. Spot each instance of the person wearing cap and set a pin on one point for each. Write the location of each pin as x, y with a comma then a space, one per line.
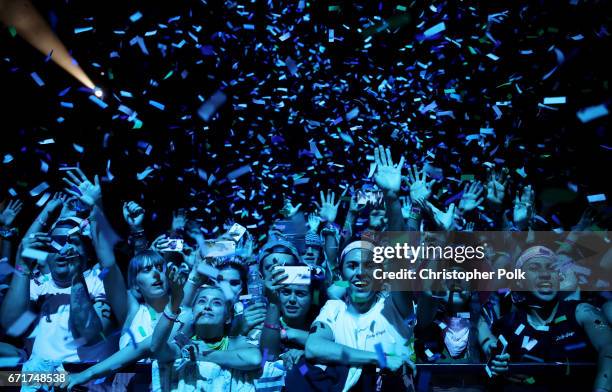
545, 328
366, 331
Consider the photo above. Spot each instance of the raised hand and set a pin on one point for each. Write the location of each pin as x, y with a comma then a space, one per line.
420, 189
289, 209
177, 277
133, 214
327, 209
354, 206
406, 206
388, 176
178, 219
33, 241
83, 189
496, 186
313, 222
471, 197
444, 219
523, 207
57, 201
8, 215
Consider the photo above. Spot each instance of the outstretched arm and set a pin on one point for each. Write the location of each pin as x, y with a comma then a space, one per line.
599, 332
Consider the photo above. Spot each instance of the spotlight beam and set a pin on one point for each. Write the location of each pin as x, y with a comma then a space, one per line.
33, 28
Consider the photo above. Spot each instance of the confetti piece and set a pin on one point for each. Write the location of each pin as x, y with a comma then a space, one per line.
41, 202
528, 343
560, 319
21, 324
80, 30
519, 329
440, 27
380, 354
37, 79
303, 369
554, 100
98, 101
40, 188
157, 105
577, 346
239, 172
135, 16
210, 107
596, 198
592, 113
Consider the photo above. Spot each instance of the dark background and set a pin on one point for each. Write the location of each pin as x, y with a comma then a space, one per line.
552, 146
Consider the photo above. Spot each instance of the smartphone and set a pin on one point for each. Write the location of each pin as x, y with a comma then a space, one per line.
237, 231
219, 248
175, 245
296, 274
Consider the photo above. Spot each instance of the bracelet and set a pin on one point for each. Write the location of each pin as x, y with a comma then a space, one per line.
169, 315
275, 327
283, 333
42, 222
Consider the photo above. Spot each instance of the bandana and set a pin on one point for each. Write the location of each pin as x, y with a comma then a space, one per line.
456, 336
533, 252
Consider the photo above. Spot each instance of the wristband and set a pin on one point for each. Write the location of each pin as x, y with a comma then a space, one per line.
23, 271
283, 333
169, 315
42, 222
275, 327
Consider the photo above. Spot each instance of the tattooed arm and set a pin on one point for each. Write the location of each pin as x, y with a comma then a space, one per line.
599, 332
88, 320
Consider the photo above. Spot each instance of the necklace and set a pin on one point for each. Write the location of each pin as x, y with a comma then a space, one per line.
220, 345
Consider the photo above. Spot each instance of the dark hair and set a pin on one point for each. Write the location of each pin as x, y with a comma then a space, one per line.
141, 260
231, 263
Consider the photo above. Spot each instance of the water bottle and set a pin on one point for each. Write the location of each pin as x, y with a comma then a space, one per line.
255, 285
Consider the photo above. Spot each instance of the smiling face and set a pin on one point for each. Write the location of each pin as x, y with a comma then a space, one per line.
357, 268
541, 278
210, 309
295, 301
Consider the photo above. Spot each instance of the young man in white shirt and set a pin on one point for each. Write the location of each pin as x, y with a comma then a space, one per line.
347, 332
70, 301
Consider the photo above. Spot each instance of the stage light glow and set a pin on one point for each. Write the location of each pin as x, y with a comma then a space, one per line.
33, 28
98, 92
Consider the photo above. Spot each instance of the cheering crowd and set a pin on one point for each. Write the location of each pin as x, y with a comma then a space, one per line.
217, 314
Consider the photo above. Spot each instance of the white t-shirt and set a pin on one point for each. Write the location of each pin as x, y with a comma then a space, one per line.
53, 339
141, 327
382, 324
